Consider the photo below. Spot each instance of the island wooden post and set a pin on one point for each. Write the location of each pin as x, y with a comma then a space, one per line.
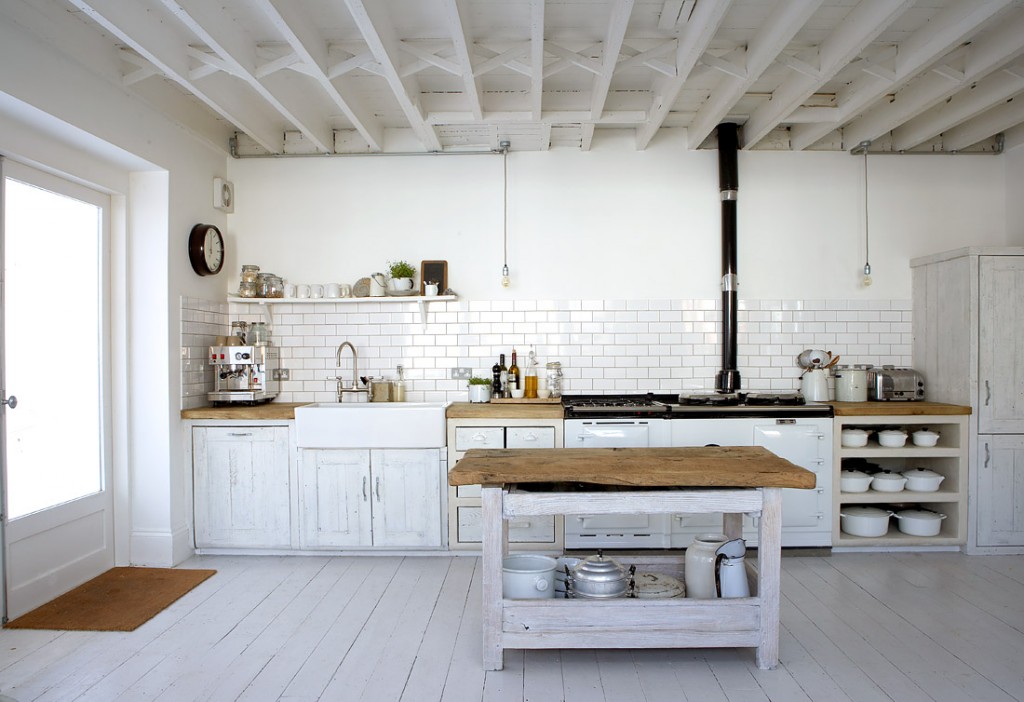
494, 548
769, 571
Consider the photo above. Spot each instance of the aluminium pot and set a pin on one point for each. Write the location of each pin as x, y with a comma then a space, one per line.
854, 481
864, 521
526, 576
887, 481
923, 480
919, 522
597, 577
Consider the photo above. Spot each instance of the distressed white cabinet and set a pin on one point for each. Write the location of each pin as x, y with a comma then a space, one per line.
363, 498
969, 344
241, 487
1000, 503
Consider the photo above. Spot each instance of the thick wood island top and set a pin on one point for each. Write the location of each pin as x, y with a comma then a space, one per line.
705, 466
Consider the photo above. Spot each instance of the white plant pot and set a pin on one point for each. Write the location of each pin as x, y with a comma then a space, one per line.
400, 284
479, 393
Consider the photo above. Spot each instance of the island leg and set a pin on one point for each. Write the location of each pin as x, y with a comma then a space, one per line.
732, 525
495, 542
769, 572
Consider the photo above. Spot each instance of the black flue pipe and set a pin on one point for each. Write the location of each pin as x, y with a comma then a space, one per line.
727, 380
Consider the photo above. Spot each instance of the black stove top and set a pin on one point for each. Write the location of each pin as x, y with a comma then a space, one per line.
703, 404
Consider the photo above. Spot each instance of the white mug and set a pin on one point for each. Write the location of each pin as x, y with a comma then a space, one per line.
289, 290
344, 290
302, 291
332, 290
430, 289
316, 291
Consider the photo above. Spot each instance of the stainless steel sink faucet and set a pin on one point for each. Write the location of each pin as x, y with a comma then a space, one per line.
355, 371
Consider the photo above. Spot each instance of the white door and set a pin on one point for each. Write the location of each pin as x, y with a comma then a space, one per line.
406, 497
58, 512
1000, 511
1001, 351
335, 505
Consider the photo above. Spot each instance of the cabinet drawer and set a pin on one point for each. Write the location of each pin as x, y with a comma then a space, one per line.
468, 491
529, 437
479, 437
529, 529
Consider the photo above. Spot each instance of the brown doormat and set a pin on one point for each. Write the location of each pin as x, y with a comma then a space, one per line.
122, 599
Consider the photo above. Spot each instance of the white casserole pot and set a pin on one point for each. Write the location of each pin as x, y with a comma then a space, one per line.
923, 480
527, 576
925, 437
919, 522
854, 438
864, 521
887, 481
892, 438
854, 481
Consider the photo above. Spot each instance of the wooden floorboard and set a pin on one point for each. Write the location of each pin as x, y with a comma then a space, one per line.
858, 627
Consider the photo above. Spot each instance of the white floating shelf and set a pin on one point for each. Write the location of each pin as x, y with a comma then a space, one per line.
268, 302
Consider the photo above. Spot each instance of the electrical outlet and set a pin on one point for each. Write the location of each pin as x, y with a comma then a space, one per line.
462, 373
282, 373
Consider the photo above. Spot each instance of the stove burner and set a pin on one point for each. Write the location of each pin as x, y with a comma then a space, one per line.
711, 399
698, 404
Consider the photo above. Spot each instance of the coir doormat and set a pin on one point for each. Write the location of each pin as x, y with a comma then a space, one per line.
122, 599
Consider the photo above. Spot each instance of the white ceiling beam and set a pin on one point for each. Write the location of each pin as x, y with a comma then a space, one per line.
144, 31
640, 58
1000, 119
364, 60
218, 30
613, 38
430, 58
986, 54
550, 117
693, 42
382, 40
584, 62
939, 36
278, 64
805, 68
537, 74
860, 27
669, 16
771, 38
305, 39
455, 15
967, 104
497, 60
586, 135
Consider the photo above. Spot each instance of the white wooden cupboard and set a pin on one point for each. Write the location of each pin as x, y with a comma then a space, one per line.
370, 498
969, 343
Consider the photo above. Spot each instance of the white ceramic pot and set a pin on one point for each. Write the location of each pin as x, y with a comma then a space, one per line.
814, 385
924, 437
699, 566
864, 521
892, 438
854, 481
527, 576
919, 522
854, 438
887, 481
923, 480
851, 384
479, 393
400, 284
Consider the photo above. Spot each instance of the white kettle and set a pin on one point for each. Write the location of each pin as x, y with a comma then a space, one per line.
732, 573
814, 385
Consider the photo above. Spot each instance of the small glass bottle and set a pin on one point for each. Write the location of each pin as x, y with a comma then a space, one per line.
530, 376
246, 289
398, 386
554, 373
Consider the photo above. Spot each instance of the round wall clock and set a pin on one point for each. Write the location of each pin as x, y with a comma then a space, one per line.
206, 249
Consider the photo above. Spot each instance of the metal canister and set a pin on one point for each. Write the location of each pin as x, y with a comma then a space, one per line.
851, 383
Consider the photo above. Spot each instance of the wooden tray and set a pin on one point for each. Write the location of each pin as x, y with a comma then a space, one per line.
524, 401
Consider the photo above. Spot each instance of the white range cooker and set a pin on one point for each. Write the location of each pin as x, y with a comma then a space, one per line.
782, 423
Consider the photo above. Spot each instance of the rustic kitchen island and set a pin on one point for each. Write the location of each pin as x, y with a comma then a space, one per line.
731, 480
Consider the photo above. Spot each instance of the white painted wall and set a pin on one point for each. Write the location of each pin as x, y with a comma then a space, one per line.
1014, 175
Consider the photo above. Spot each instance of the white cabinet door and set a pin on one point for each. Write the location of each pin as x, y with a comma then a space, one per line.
241, 487
406, 497
804, 445
1001, 347
1000, 503
336, 511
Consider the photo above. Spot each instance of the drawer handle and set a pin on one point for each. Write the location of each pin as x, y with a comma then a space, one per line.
519, 525
364, 488
240, 433
530, 437
988, 393
479, 437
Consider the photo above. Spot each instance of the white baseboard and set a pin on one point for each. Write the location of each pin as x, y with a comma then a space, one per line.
161, 549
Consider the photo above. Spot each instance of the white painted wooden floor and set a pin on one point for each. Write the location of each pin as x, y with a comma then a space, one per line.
903, 627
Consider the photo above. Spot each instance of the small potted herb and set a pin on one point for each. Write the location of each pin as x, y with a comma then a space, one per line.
479, 390
402, 274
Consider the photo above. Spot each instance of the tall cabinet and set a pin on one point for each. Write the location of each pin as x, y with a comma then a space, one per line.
969, 343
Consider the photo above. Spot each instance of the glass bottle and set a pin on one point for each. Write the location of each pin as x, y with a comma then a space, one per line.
554, 373
530, 376
398, 386
513, 373
504, 377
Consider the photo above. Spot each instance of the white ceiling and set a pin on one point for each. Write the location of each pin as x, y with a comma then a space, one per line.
308, 76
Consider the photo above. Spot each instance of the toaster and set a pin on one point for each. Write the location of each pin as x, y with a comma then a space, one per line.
891, 383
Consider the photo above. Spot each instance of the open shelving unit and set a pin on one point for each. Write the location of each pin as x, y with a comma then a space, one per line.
268, 302
949, 458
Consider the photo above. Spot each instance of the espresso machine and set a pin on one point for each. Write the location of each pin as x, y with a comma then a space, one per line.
244, 373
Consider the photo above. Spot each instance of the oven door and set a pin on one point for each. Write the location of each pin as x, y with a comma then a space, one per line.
609, 433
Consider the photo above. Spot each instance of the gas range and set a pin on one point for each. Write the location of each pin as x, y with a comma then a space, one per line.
704, 404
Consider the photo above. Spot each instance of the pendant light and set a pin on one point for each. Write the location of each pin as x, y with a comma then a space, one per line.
503, 147
866, 280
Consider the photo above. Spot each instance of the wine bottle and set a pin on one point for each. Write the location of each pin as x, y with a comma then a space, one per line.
513, 374
504, 377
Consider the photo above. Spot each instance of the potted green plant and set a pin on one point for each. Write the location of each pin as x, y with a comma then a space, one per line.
479, 390
402, 274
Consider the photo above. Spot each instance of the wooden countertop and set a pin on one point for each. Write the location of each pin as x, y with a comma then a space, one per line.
882, 409
505, 410
704, 466
268, 410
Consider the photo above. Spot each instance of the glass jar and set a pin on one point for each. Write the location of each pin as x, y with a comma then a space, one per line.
247, 289
258, 335
554, 376
275, 286
249, 273
263, 284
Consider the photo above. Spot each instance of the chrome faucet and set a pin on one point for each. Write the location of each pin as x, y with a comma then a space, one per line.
355, 371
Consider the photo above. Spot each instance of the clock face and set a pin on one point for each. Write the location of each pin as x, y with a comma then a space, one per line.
206, 249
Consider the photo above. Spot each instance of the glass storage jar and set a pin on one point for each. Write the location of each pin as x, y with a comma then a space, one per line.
258, 334
249, 273
554, 377
247, 289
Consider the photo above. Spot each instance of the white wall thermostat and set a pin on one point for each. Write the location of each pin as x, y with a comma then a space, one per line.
223, 195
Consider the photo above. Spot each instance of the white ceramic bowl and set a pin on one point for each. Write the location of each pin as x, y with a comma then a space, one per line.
887, 481
924, 437
854, 481
854, 438
923, 480
892, 438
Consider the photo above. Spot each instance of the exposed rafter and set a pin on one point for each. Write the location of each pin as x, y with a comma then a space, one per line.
1010, 114
455, 14
621, 10
536, 57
